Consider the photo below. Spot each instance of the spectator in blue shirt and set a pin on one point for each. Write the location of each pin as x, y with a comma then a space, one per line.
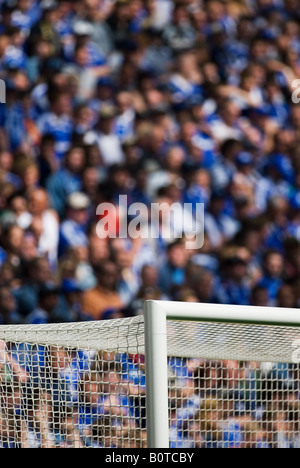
273, 274
73, 230
67, 180
58, 122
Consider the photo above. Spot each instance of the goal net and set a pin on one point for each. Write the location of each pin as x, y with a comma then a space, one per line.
84, 385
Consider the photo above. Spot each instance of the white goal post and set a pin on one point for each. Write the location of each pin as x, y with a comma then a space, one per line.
157, 313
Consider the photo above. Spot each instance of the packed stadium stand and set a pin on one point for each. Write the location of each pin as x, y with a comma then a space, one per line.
189, 102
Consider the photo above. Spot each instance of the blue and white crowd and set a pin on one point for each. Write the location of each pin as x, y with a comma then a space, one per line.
191, 101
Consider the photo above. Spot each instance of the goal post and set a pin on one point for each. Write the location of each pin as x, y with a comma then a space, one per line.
282, 326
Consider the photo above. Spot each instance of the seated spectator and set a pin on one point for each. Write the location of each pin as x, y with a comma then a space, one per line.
67, 180
47, 303
108, 143
73, 230
273, 274
233, 288
37, 273
8, 306
58, 123
104, 295
172, 272
72, 293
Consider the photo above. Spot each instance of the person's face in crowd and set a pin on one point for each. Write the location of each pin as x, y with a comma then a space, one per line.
74, 297
121, 178
4, 42
29, 249
180, 15
259, 50
260, 297
111, 383
205, 287
90, 181
80, 216
62, 104
84, 116
104, 92
217, 205
7, 301
7, 274
202, 178
187, 63
44, 49
24, 5
92, 391
135, 7
278, 211
149, 276
230, 113
124, 102
175, 159
48, 302
153, 97
232, 373
40, 272
284, 140
123, 258
64, 8
238, 271
248, 82
92, 8
6, 161
178, 256
98, 250
108, 276
18, 205
231, 150
106, 125
60, 358
82, 56
30, 176
38, 202
295, 117
48, 149
211, 73
215, 10
37, 227
157, 139
198, 18
75, 160
274, 265
93, 156
14, 239
188, 130
252, 241
291, 5
286, 297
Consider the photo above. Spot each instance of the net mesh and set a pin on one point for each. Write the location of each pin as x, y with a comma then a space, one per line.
83, 385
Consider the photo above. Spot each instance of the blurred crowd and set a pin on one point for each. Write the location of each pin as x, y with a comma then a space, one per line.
161, 101
164, 102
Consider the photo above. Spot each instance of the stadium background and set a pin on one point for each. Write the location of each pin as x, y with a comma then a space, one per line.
161, 101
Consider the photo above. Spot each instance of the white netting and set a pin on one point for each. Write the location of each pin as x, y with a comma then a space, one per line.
83, 385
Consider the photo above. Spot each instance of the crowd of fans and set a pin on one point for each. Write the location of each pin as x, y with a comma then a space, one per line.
192, 102
163, 102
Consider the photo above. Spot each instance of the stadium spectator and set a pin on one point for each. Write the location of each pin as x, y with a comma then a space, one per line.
47, 302
104, 296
